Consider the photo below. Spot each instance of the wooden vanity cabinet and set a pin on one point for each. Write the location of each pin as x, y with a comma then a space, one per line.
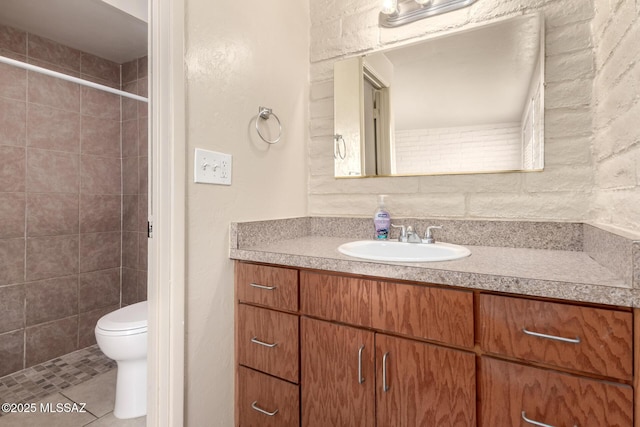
354, 351
414, 383
267, 346
424, 312
337, 375
274, 287
513, 394
587, 339
594, 345
269, 341
265, 401
421, 384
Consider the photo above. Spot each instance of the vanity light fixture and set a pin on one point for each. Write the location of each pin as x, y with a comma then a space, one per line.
394, 14
389, 7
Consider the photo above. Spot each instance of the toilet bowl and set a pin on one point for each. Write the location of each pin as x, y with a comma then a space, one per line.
122, 336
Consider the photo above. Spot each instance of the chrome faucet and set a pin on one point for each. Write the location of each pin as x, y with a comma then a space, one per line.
412, 236
428, 237
407, 234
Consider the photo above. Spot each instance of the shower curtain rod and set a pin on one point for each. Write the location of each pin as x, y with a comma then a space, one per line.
62, 76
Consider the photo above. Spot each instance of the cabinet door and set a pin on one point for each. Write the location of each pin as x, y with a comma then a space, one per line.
337, 375
419, 384
512, 395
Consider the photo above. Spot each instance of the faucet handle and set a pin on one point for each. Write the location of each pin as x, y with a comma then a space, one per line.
403, 232
428, 237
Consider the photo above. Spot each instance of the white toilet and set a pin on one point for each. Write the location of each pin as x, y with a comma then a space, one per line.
122, 336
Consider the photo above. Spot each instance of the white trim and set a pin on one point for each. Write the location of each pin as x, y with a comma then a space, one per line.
83, 82
166, 290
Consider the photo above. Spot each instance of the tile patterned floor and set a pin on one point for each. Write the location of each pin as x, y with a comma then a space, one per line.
93, 400
32, 384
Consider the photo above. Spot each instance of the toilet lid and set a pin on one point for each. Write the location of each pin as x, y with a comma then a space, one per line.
133, 316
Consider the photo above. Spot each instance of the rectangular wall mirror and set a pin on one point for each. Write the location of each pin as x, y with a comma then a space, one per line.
471, 101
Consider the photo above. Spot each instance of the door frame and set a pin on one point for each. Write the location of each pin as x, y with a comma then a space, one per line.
167, 181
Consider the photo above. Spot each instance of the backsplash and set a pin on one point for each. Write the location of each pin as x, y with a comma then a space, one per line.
565, 236
618, 252
565, 190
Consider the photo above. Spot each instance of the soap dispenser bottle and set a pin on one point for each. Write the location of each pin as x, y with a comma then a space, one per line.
381, 220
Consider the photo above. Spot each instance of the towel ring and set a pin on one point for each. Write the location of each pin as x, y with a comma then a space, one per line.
337, 152
265, 113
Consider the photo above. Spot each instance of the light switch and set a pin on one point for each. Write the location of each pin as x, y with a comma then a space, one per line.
211, 167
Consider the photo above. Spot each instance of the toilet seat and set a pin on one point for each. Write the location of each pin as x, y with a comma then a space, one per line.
129, 320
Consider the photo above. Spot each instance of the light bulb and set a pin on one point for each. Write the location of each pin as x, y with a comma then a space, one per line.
389, 7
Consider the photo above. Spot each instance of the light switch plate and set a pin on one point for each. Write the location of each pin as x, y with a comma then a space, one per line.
211, 167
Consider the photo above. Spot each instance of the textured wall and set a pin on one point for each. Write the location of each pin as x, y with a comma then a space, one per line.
239, 56
562, 192
616, 148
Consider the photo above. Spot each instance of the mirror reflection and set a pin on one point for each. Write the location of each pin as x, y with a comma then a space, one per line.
467, 102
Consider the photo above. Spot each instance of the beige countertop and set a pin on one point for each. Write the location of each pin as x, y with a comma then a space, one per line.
562, 274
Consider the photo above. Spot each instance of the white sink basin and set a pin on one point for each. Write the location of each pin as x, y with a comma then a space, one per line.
403, 252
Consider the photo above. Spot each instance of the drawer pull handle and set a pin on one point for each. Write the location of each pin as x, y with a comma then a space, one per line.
575, 340
360, 377
255, 340
262, 411
385, 386
266, 288
535, 423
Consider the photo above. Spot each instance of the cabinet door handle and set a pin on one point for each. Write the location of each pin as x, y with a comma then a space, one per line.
537, 423
360, 377
262, 411
575, 340
255, 340
266, 288
385, 386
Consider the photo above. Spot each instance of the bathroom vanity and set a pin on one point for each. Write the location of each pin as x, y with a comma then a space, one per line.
502, 338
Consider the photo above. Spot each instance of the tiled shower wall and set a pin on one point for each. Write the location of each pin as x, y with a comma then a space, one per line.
134, 185
60, 201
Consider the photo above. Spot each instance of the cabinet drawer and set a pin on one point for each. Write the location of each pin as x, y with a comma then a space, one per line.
264, 401
509, 392
268, 341
587, 339
343, 299
424, 312
270, 286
